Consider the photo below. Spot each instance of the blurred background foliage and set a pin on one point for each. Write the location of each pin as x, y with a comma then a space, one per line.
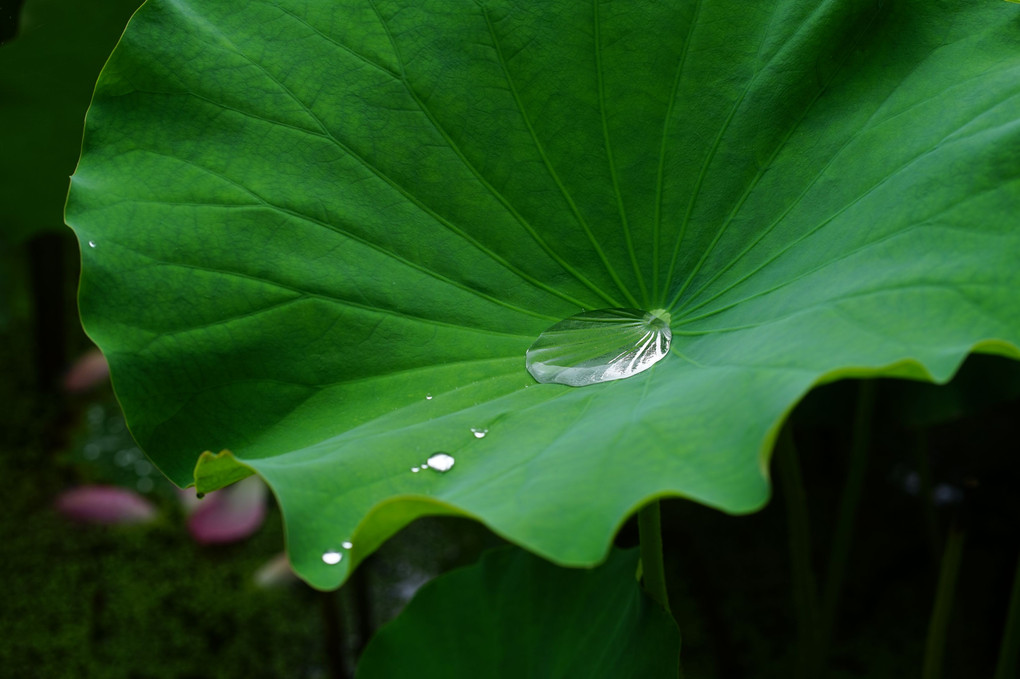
149, 601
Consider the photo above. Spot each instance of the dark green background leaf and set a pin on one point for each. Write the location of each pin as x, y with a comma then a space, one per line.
46, 78
299, 220
514, 615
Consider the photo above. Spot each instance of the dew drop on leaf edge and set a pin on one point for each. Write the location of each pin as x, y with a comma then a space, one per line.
600, 346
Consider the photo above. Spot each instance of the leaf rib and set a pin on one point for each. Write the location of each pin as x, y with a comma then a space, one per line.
263, 203
340, 45
934, 284
325, 133
868, 125
624, 223
711, 155
306, 294
660, 177
1015, 125
553, 174
455, 147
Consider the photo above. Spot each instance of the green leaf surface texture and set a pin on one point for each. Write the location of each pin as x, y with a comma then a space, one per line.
322, 236
513, 615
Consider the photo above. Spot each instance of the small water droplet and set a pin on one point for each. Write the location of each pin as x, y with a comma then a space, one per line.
479, 433
92, 244
332, 557
441, 462
428, 397
346, 545
415, 469
600, 346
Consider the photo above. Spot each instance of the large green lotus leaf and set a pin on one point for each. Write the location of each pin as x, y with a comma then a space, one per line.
322, 236
46, 78
513, 615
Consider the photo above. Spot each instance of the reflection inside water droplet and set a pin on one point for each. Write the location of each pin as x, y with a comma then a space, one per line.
332, 557
600, 346
428, 397
479, 433
441, 462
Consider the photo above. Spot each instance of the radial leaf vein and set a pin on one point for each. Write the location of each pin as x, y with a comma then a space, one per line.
507, 205
333, 299
346, 48
660, 175
763, 167
325, 133
810, 232
703, 172
263, 203
582, 222
600, 74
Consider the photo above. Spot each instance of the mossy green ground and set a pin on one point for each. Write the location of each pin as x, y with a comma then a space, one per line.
124, 601
139, 601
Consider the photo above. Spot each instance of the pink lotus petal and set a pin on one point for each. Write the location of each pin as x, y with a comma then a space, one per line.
105, 504
230, 514
275, 572
88, 371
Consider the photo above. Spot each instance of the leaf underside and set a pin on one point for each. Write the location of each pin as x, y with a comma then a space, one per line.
513, 615
322, 235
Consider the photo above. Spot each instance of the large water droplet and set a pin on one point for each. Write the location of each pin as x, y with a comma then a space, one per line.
332, 557
441, 462
599, 346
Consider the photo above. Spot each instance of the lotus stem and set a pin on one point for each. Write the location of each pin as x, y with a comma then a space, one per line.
1009, 650
652, 567
805, 593
847, 517
939, 622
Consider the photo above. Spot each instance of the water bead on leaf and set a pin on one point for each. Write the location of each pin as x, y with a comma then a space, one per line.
441, 462
600, 346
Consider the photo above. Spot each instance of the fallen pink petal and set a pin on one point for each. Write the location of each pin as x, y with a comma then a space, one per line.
89, 371
106, 505
230, 514
276, 572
